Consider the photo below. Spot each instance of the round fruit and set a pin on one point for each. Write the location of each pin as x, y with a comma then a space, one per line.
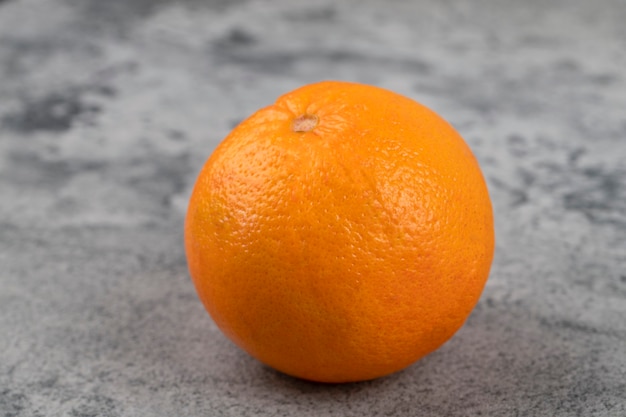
341, 233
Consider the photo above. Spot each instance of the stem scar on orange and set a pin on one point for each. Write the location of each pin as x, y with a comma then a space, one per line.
341, 233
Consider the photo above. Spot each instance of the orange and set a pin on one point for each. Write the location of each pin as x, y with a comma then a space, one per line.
341, 233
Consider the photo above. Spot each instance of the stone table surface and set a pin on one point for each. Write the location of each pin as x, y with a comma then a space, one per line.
108, 109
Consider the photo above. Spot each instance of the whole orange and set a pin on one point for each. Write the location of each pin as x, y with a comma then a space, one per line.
341, 233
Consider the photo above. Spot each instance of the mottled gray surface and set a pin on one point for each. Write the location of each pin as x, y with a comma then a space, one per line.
109, 108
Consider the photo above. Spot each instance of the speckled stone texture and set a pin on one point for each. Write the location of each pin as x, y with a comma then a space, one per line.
108, 109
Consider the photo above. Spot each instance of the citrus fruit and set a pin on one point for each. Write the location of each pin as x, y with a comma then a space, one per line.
341, 233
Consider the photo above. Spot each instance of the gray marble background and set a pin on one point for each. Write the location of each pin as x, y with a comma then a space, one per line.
108, 109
